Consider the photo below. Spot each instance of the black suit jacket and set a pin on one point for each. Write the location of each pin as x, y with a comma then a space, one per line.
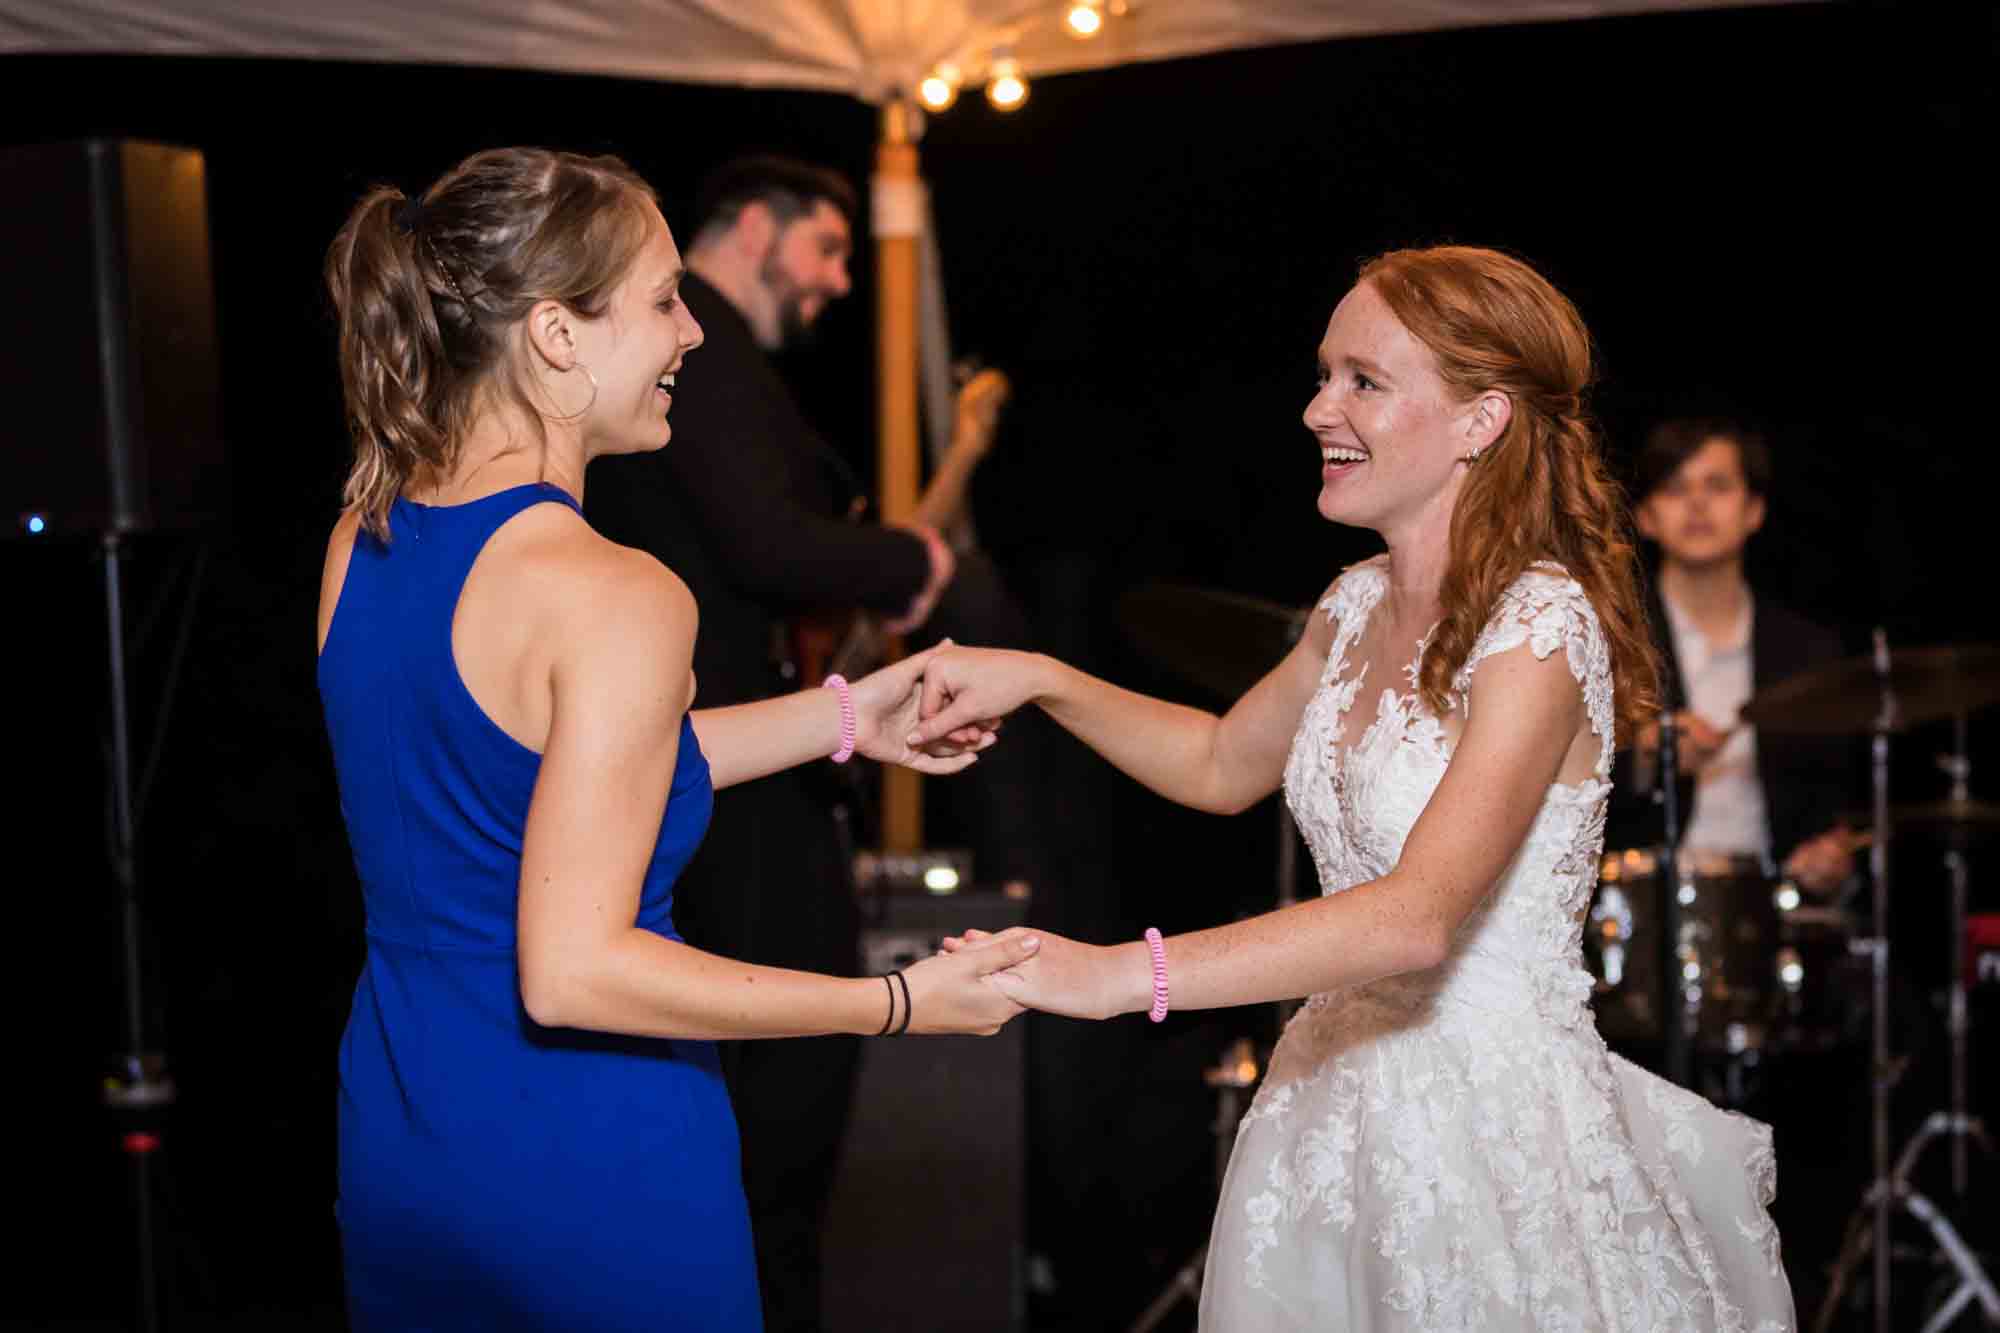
1809, 781
750, 506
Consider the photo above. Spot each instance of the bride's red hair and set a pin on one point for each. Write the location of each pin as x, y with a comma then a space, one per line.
1542, 490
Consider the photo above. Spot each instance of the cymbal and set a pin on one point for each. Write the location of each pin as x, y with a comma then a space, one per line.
1221, 641
1951, 822
1843, 698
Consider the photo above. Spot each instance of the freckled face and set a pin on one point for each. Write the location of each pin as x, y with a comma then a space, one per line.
1389, 432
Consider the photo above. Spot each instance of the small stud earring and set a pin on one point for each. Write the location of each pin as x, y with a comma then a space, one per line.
1472, 457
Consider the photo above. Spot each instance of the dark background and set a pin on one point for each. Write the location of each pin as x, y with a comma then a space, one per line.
1764, 211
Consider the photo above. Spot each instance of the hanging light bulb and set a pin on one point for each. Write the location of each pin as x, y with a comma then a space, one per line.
1084, 19
939, 88
1005, 88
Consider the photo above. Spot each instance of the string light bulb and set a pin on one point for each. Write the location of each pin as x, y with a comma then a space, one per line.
939, 88
1005, 88
1084, 19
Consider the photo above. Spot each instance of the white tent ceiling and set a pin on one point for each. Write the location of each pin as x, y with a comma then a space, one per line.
872, 49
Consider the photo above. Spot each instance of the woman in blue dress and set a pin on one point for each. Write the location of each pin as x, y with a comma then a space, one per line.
533, 1130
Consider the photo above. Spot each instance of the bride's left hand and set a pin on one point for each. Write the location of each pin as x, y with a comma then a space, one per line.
887, 707
1066, 977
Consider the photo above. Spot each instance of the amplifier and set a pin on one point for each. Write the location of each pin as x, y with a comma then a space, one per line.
113, 423
925, 1226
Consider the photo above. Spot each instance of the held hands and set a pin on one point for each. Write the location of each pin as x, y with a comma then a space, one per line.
1066, 977
956, 992
887, 709
966, 688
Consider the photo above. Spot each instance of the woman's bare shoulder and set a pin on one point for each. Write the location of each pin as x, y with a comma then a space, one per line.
589, 585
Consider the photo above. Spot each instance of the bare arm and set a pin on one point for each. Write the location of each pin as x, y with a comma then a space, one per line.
1220, 764
619, 685
1526, 715
751, 740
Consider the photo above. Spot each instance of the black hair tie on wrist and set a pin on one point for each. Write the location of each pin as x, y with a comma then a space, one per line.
409, 215
890, 1021
904, 982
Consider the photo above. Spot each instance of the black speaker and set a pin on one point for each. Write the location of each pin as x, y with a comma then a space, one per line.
112, 417
925, 1228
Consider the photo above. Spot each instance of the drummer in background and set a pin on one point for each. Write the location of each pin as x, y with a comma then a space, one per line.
1778, 798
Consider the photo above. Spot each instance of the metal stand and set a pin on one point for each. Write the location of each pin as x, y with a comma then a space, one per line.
1231, 1077
1955, 1124
1675, 1011
138, 1090
139, 1081
1862, 1238
1958, 766
1868, 1233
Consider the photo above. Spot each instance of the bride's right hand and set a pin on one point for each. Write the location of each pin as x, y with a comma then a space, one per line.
951, 993
967, 687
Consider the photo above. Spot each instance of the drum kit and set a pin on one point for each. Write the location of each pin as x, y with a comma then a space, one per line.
1719, 957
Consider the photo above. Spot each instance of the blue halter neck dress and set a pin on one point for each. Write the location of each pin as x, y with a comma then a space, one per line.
495, 1174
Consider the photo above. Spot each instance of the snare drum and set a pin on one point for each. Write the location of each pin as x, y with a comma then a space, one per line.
1758, 967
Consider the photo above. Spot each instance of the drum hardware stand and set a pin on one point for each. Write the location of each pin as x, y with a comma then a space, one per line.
1674, 1015
1959, 768
1234, 1073
1890, 1187
1973, 1281
1955, 1123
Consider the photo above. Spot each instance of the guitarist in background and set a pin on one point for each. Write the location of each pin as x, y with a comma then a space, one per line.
764, 521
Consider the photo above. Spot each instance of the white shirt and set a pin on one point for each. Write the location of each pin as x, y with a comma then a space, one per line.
1728, 813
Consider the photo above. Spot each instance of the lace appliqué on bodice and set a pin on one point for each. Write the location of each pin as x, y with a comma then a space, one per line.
1455, 1149
1356, 803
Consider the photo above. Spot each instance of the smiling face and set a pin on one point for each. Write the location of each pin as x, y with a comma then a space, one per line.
1391, 435
634, 350
1704, 513
805, 269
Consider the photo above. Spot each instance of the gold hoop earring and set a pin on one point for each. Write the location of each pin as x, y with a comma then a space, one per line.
587, 406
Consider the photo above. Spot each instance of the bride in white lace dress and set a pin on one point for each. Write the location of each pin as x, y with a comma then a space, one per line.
1442, 1140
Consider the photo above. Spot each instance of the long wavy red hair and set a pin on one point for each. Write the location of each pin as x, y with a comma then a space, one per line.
1542, 491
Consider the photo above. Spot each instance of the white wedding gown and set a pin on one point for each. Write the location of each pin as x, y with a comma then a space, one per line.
1456, 1149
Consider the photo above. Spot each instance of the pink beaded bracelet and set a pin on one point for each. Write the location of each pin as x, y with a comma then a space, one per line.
1159, 948
838, 684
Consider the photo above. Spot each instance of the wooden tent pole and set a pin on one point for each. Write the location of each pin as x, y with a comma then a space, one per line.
897, 223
